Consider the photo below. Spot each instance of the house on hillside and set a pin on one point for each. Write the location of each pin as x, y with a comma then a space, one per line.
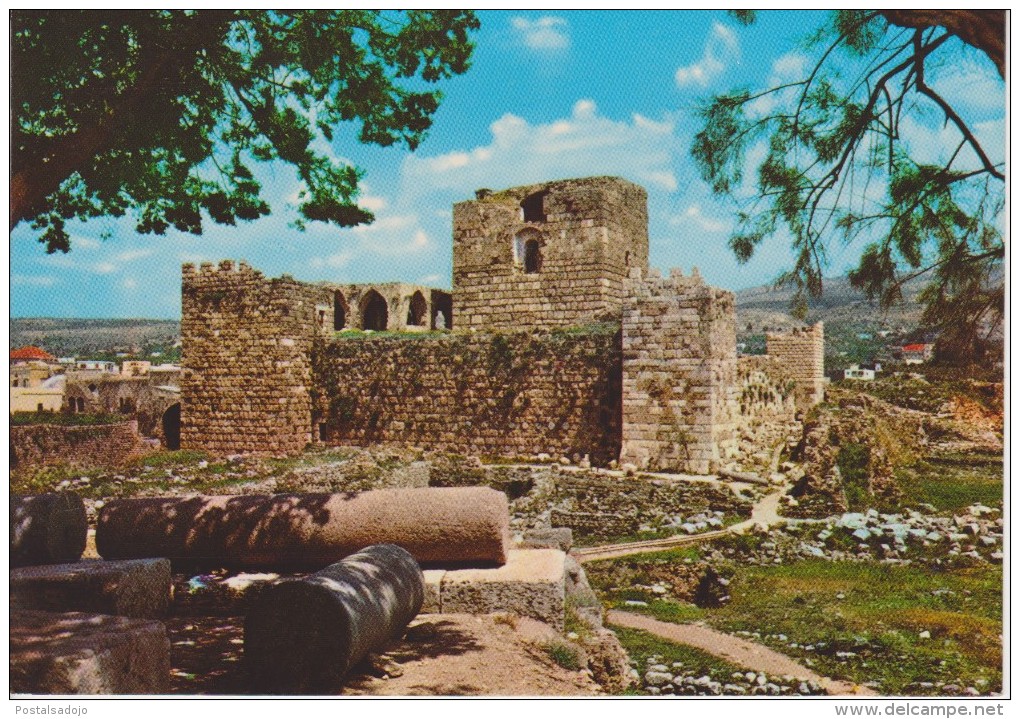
917, 353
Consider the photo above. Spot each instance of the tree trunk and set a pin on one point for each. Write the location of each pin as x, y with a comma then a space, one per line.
982, 29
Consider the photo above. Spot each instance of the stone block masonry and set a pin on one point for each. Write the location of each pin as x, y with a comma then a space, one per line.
679, 370
247, 359
802, 352
564, 343
548, 255
81, 446
510, 394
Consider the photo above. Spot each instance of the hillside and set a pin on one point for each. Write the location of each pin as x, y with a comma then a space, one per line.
846, 312
83, 337
840, 304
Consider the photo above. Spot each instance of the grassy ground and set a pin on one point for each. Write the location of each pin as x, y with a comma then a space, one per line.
953, 482
168, 470
859, 621
642, 645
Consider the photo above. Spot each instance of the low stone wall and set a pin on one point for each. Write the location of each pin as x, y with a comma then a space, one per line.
82, 446
511, 394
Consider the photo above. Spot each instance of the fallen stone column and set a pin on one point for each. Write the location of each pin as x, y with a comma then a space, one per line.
127, 588
47, 528
460, 526
76, 653
303, 636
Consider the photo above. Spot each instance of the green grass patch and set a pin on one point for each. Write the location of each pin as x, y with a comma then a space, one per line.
564, 654
641, 646
873, 632
853, 461
25, 419
953, 483
170, 458
859, 622
665, 610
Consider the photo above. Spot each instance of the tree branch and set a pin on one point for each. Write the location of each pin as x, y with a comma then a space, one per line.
983, 29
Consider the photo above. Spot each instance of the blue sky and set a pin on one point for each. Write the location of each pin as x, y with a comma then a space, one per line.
549, 96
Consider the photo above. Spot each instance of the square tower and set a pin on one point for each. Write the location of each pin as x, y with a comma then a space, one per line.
548, 255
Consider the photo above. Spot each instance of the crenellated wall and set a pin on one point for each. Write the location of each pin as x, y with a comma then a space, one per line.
802, 352
526, 371
247, 368
679, 368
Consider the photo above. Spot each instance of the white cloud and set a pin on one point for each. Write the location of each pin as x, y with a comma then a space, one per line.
132, 255
372, 202
544, 34
420, 240
337, 261
970, 86
693, 215
430, 280
80, 242
721, 50
129, 283
33, 280
585, 143
387, 224
791, 66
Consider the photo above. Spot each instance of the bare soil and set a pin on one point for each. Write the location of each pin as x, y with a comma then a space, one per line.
440, 655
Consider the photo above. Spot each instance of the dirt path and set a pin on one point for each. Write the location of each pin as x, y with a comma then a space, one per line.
766, 512
734, 649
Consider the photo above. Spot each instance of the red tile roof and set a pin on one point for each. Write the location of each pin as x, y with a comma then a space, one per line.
32, 353
914, 348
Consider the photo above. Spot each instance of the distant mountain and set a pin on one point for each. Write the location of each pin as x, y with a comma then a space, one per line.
840, 304
82, 337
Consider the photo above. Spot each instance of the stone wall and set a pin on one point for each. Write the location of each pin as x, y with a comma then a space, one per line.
802, 352
145, 398
679, 371
247, 359
549, 255
84, 446
509, 394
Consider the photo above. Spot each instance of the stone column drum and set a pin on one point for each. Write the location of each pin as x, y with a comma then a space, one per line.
466, 526
303, 636
47, 528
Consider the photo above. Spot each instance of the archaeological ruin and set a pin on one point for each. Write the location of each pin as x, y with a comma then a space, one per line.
557, 338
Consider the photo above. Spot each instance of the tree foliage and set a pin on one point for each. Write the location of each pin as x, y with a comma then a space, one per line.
163, 113
836, 161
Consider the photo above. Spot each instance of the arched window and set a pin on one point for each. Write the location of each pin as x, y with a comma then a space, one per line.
374, 312
418, 310
528, 250
532, 257
339, 311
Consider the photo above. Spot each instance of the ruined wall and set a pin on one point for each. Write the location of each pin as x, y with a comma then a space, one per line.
144, 398
83, 446
802, 352
679, 371
507, 394
587, 232
407, 307
247, 359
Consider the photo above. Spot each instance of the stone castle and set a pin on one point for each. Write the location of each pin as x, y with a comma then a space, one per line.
559, 340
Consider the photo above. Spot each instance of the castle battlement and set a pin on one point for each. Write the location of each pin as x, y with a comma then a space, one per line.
266, 368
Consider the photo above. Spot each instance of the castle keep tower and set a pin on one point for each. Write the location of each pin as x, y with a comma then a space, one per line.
547, 255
